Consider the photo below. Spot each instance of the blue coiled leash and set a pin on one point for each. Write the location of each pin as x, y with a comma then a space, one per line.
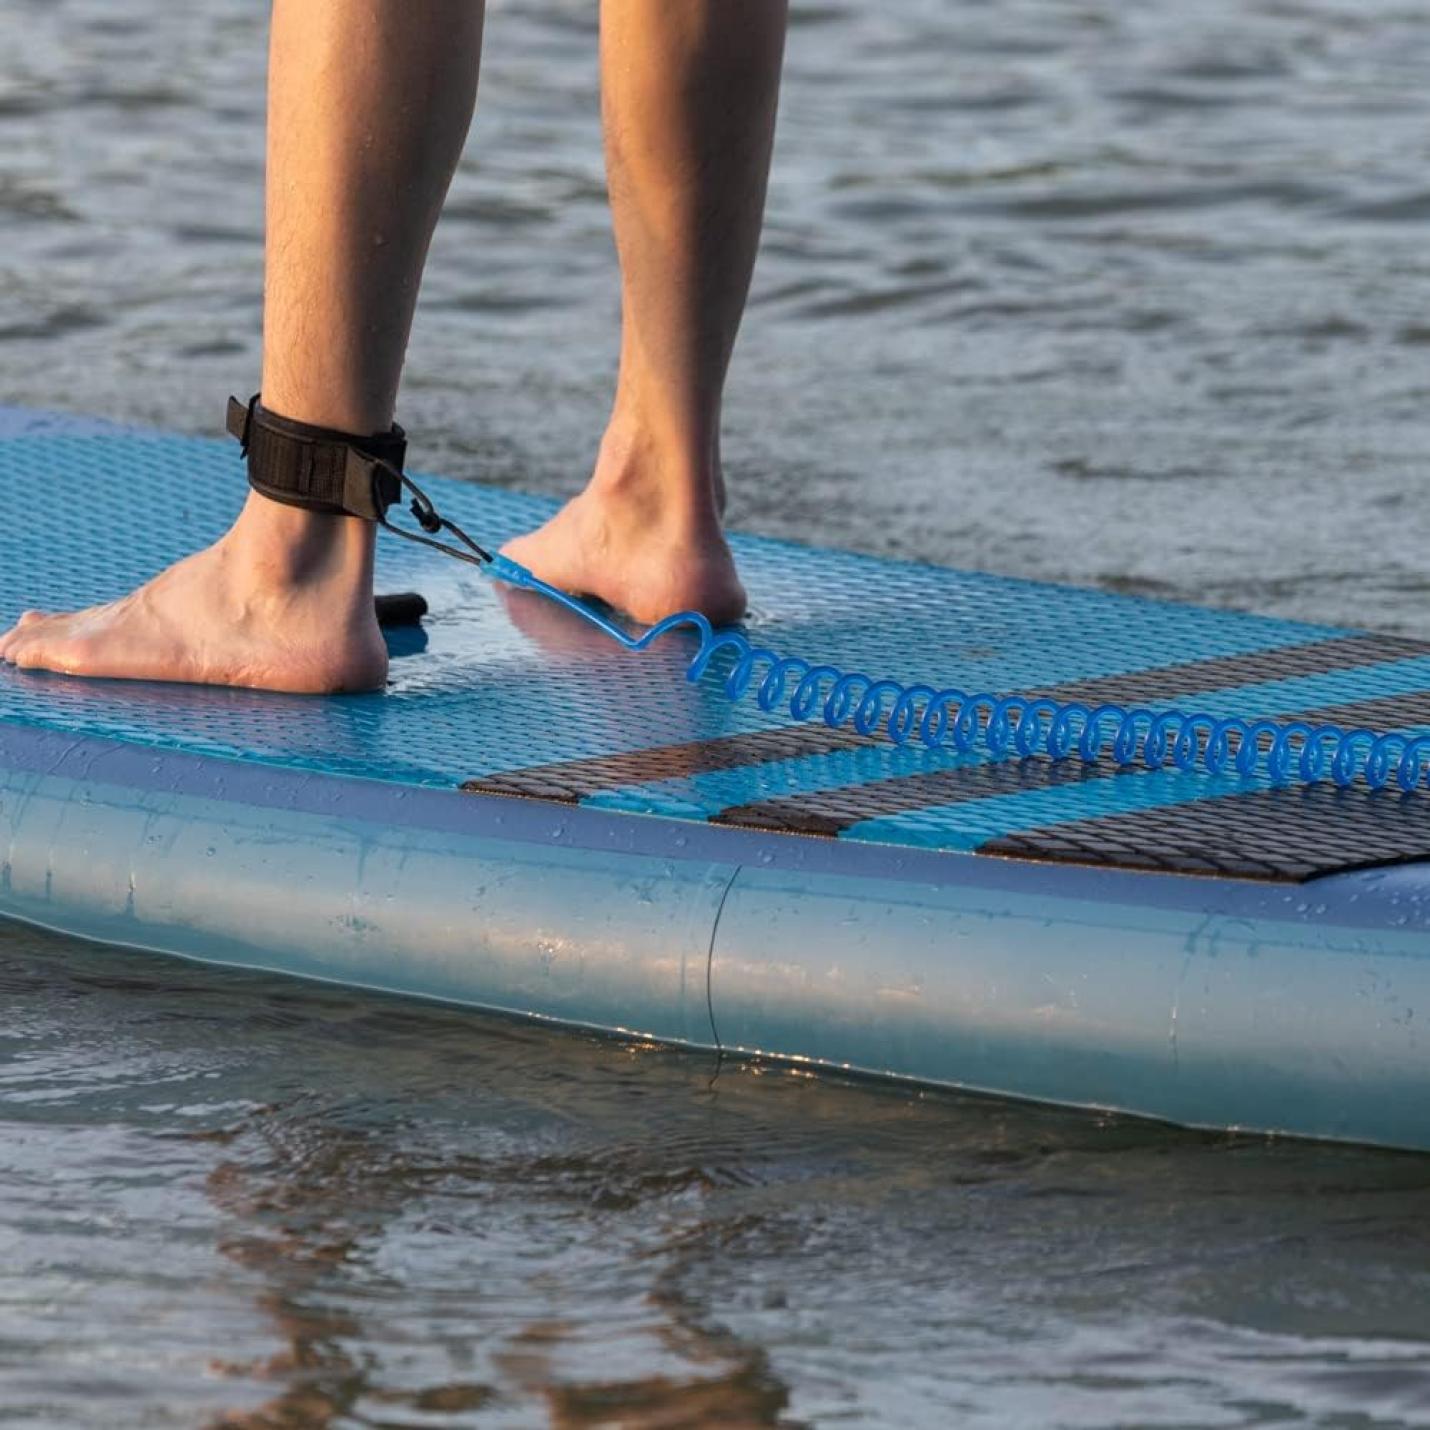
1025, 725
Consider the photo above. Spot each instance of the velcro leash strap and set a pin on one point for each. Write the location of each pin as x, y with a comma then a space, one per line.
319, 468
340, 473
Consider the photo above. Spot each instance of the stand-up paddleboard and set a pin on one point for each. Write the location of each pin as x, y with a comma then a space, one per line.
530, 819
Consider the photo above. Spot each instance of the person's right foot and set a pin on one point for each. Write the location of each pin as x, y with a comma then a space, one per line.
282, 602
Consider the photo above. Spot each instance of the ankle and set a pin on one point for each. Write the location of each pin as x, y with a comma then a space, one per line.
658, 480
287, 549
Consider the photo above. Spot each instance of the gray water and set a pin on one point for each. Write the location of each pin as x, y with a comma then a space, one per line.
1135, 295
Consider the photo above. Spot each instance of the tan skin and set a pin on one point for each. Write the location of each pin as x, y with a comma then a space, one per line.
283, 601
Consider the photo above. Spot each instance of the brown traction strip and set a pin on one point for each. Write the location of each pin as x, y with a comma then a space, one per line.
1227, 672
569, 781
1291, 834
1408, 711
831, 812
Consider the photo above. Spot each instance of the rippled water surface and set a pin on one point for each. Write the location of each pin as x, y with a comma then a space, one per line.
1126, 294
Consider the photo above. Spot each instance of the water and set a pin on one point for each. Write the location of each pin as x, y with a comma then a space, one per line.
1129, 295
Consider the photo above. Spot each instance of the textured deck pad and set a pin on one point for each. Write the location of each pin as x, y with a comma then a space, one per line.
503, 693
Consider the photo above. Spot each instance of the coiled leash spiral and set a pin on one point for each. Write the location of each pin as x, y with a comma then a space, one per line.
325, 470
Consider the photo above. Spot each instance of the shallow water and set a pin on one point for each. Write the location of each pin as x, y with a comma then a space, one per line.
1133, 295
232, 1194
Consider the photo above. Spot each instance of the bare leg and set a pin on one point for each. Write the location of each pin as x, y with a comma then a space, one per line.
689, 92
368, 109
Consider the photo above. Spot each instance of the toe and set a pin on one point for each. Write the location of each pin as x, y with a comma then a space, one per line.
520, 548
49, 651
18, 634
37, 644
27, 621
554, 552
21, 649
12, 648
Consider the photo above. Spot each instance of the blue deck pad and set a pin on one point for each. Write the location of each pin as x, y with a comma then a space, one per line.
507, 682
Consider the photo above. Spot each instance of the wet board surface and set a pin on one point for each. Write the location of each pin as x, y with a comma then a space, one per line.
500, 693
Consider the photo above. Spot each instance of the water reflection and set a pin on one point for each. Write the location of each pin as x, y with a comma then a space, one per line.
272, 1204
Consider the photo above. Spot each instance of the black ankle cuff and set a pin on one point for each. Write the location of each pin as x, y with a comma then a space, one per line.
319, 468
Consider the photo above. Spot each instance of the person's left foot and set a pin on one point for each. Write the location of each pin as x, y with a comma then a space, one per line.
625, 540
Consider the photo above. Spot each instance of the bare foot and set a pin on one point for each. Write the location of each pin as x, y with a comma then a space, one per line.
283, 601
643, 545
